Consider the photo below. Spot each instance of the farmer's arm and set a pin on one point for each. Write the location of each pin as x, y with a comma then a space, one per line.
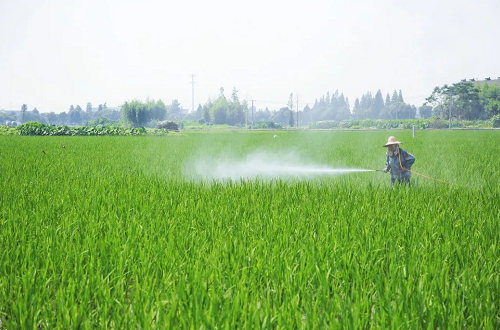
387, 167
409, 159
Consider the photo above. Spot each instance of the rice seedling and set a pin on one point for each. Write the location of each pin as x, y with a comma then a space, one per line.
113, 232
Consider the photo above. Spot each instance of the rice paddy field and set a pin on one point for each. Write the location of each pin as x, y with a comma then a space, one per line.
129, 233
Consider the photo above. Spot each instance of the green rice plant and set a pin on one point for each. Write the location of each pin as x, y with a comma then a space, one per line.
111, 232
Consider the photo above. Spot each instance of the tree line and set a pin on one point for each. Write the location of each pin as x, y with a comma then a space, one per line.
463, 100
329, 107
74, 116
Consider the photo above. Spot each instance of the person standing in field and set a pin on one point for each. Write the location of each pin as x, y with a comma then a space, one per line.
398, 162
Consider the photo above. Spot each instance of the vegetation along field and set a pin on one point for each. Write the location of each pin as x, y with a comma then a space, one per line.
138, 233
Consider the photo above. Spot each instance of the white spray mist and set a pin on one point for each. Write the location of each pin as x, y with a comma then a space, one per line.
261, 165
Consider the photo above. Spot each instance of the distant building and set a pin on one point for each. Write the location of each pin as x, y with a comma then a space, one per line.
481, 82
13, 112
489, 82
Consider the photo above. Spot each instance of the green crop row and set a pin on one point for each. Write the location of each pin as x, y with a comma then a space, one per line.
113, 233
34, 128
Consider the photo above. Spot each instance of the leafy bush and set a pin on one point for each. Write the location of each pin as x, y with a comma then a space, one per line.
345, 124
435, 123
6, 130
267, 124
103, 121
34, 128
496, 121
327, 124
168, 125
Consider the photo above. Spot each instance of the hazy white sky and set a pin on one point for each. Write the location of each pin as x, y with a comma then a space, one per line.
57, 53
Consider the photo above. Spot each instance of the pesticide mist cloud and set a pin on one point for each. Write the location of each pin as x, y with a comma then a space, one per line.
259, 165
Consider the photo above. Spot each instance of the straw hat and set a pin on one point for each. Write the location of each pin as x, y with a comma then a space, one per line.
391, 140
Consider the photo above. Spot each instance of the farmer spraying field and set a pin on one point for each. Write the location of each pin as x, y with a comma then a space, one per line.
398, 162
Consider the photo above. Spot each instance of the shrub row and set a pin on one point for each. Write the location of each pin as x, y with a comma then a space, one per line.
34, 128
431, 123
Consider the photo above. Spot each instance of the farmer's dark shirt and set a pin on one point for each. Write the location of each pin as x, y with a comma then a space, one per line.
392, 164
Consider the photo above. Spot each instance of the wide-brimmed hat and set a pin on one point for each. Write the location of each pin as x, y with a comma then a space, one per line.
392, 140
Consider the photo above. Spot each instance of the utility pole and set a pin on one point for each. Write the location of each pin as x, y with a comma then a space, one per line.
192, 95
252, 112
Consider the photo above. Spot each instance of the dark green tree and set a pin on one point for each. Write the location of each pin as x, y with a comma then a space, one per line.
396, 110
306, 114
291, 120
490, 98
366, 104
157, 110
199, 112
425, 111
51, 118
356, 110
236, 114
460, 100
219, 111
395, 97
141, 113
136, 113
75, 117
387, 103
342, 108
63, 118
467, 101
281, 116
206, 114
234, 96
377, 106
126, 113
174, 110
